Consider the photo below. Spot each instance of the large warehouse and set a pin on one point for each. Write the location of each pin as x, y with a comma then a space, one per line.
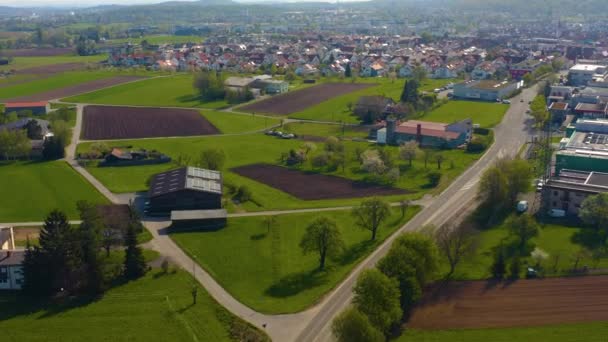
187, 188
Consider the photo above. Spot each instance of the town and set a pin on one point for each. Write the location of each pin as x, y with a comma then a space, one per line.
291, 171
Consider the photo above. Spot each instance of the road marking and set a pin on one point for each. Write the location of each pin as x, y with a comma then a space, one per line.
470, 184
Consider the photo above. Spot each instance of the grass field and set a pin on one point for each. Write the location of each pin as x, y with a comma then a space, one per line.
483, 113
30, 190
30, 62
267, 270
336, 109
156, 307
257, 148
58, 81
230, 123
555, 240
174, 91
324, 130
594, 331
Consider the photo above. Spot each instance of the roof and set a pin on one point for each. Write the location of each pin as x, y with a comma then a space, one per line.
559, 106
186, 178
586, 67
591, 107
21, 123
25, 104
238, 81
486, 84
186, 215
11, 258
429, 129
583, 181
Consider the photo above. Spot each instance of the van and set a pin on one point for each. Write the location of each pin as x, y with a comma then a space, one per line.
557, 213
522, 206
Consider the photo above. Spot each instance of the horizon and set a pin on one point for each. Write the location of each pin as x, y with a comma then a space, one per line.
92, 3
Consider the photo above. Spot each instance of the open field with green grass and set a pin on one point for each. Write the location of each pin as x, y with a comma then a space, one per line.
231, 123
30, 190
336, 109
594, 331
156, 307
173, 91
258, 148
555, 240
20, 63
267, 271
325, 130
483, 113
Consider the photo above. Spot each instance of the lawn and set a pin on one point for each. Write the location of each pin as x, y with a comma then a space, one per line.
169, 91
486, 114
54, 82
325, 130
336, 109
257, 148
231, 123
267, 271
554, 239
595, 331
20, 63
156, 307
30, 190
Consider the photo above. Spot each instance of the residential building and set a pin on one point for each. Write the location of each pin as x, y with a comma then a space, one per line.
427, 134
37, 108
519, 70
485, 90
569, 188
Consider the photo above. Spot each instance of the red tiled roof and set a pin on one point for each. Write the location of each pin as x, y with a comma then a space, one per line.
24, 104
428, 132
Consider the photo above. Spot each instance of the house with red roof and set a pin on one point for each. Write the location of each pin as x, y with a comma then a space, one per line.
427, 134
37, 108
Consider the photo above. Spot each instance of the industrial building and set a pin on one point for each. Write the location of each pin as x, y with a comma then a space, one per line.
486, 90
583, 74
187, 188
570, 188
585, 148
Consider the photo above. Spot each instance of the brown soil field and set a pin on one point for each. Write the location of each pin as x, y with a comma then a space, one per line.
312, 186
106, 122
75, 89
480, 304
299, 100
44, 52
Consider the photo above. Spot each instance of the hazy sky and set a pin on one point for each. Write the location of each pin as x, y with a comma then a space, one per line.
26, 3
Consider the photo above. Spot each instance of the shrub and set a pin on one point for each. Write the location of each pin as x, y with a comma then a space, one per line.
434, 178
243, 194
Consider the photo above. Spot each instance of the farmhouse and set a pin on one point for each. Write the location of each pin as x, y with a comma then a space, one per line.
37, 138
187, 188
427, 134
485, 90
37, 108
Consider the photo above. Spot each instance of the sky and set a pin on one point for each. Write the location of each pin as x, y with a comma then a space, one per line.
80, 3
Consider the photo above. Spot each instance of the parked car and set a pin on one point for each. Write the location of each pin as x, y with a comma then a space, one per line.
287, 136
557, 213
436, 91
506, 101
539, 186
522, 206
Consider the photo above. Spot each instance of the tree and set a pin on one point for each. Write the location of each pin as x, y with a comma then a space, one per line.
492, 187
403, 205
371, 162
455, 242
33, 129
518, 176
538, 110
419, 73
434, 178
90, 235
370, 214
523, 228
499, 267
439, 158
594, 212
353, 326
515, 268
212, 159
377, 297
14, 144
53, 148
427, 155
333, 144
348, 71
322, 236
209, 85
409, 150
135, 264
410, 93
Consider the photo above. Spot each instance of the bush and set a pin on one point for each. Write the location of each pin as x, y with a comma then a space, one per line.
434, 178
320, 160
243, 194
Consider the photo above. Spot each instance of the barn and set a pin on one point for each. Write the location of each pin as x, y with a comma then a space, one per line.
186, 188
37, 108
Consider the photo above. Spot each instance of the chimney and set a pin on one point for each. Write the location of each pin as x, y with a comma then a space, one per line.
419, 133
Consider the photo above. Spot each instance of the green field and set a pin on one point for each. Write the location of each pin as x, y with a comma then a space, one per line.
555, 240
55, 82
336, 109
20, 63
155, 308
30, 190
174, 91
595, 331
257, 148
483, 113
159, 39
324, 130
267, 270
231, 123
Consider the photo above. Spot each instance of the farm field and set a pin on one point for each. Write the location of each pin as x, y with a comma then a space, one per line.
155, 307
266, 270
595, 331
27, 64
173, 91
36, 188
43, 52
486, 114
231, 123
301, 99
312, 186
158, 39
482, 304
258, 148
108, 122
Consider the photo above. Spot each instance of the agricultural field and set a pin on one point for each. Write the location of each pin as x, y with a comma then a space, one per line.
155, 307
482, 304
234, 123
35, 65
299, 100
42, 52
312, 186
336, 109
108, 122
265, 268
168, 91
32, 189
594, 331
486, 114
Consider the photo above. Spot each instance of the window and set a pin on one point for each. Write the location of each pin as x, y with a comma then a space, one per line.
555, 193
555, 204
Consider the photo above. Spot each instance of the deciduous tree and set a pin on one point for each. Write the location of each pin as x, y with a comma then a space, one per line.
323, 237
455, 242
370, 214
377, 296
353, 326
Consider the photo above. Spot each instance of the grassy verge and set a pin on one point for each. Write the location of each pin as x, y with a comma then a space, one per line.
267, 271
156, 307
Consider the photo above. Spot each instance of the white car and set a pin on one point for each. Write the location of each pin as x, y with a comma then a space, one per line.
506, 101
522, 206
